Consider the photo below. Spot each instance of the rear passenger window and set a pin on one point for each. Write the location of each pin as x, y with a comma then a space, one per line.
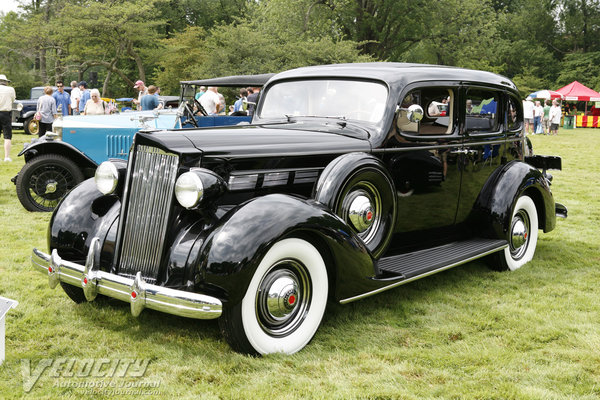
438, 110
481, 111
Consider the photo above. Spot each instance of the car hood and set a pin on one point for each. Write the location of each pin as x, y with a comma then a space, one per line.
275, 140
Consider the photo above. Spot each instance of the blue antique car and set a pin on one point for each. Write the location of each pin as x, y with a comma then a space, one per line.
60, 160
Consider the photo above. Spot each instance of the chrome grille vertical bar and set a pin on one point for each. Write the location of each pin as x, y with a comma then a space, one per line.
150, 197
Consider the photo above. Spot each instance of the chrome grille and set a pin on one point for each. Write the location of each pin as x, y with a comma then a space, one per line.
145, 211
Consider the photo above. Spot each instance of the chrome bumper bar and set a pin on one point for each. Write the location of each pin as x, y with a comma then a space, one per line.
133, 291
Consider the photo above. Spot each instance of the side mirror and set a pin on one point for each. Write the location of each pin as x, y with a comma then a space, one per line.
414, 113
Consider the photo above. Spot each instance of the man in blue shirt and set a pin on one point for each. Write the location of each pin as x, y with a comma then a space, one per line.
150, 101
62, 98
85, 96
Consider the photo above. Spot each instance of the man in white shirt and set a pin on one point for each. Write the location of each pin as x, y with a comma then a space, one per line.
528, 114
7, 97
211, 101
75, 96
555, 114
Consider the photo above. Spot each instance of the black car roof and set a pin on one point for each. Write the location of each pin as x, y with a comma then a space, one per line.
232, 81
397, 73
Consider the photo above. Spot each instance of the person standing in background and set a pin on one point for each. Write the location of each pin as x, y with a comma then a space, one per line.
62, 98
528, 114
538, 113
252, 100
46, 107
7, 98
210, 101
142, 91
75, 96
85, 96
95, 105
150, 101
546, 120
555, 114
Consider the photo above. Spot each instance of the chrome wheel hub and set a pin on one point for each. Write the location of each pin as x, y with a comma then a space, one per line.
519, 234
51, 186
361, 213
361, 208
283, 298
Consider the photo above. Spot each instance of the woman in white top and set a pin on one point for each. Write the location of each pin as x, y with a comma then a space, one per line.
95, 105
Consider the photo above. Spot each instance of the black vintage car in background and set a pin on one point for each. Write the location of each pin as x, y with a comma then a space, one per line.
345, 184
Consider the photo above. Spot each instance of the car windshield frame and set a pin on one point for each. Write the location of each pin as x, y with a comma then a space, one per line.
363, 101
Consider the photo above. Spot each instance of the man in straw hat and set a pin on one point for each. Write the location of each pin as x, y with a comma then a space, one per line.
7, 98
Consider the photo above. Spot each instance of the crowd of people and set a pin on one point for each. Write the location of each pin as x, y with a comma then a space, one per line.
213, 102
541, 120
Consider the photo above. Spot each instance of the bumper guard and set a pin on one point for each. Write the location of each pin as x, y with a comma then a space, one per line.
136, 292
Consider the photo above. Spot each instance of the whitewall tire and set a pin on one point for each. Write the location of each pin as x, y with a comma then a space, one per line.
522, 235
284, 303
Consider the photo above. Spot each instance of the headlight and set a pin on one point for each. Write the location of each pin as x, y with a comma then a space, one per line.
107, 177
197, 186
57, 130
189, 189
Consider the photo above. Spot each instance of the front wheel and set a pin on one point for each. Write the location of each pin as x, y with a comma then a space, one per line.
284, 303
522, 236
45, 180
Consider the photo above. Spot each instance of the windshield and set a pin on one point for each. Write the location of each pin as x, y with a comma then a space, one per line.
36, 93
348, 99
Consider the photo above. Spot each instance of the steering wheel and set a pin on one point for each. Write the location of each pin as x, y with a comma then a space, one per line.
189, 114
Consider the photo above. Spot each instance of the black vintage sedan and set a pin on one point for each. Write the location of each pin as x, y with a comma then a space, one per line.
349, 181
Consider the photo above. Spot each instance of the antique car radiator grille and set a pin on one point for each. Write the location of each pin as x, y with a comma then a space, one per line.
145, 212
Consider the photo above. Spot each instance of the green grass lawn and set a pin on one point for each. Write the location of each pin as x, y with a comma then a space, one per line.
465, 333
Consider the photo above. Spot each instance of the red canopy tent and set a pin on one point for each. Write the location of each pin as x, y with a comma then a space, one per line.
576, 91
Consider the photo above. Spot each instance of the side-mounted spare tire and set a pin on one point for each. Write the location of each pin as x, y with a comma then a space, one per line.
358, 189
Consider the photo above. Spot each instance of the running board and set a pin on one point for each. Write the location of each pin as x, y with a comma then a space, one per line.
405, 268
420, 262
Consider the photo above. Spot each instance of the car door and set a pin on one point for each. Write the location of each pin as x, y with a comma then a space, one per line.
484, 141
421, 158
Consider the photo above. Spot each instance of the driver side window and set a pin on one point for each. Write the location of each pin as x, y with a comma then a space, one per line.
438, 111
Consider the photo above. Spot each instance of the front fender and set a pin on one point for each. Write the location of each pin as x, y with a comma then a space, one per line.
232, 251
83, 214
58, 147
493, 207
26, 115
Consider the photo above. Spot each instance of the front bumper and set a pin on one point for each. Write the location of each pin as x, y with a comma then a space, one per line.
134, 291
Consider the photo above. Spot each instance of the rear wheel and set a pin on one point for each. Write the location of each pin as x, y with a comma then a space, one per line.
522, 236
284, 303
45, 180
31, 126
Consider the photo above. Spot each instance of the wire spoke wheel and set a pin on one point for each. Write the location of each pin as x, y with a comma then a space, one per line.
45, 180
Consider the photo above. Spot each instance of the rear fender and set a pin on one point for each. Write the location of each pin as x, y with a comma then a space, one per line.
493, 208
